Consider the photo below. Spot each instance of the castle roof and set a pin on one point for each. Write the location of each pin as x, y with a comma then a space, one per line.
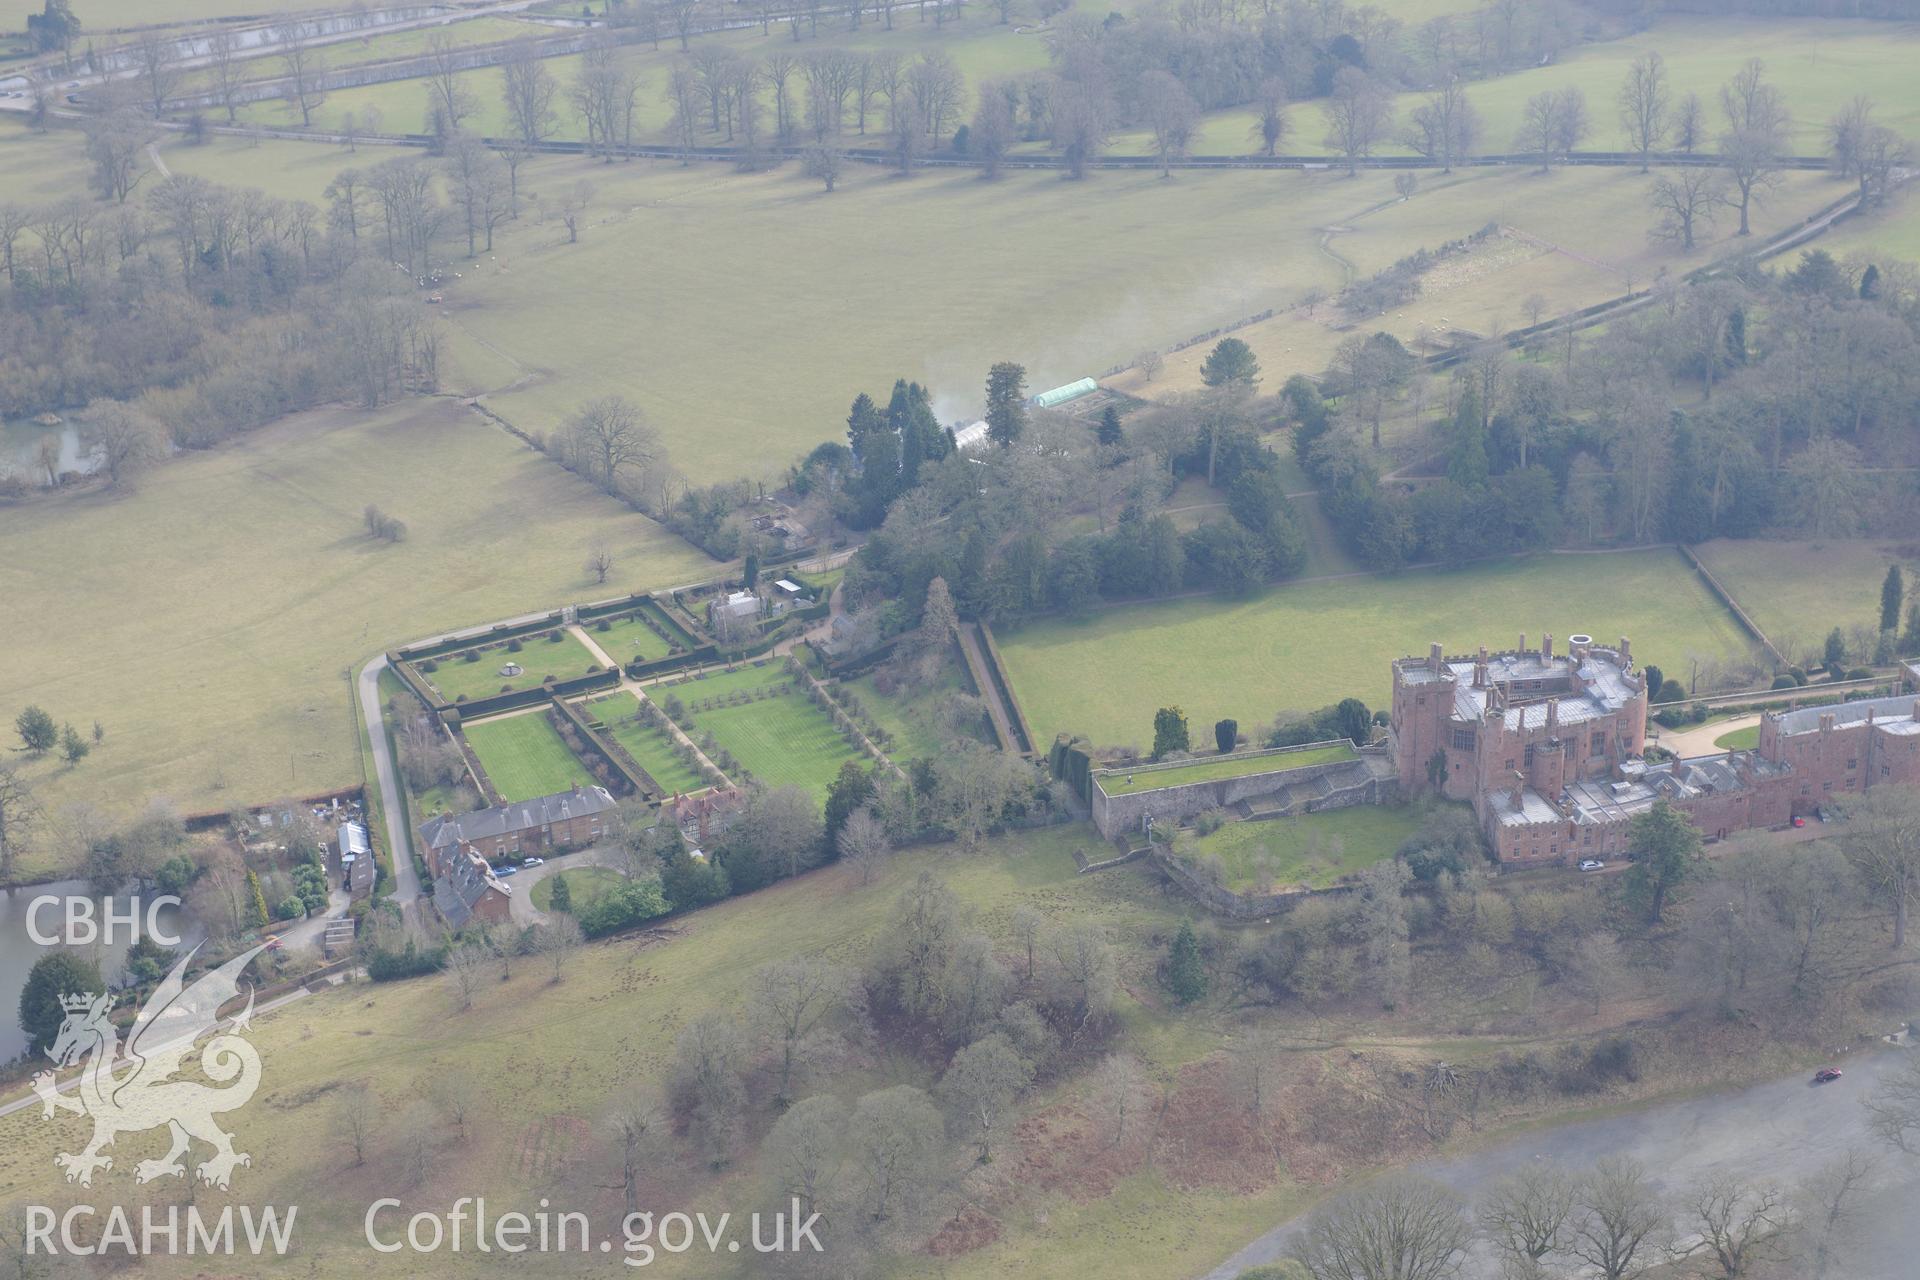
1895, 715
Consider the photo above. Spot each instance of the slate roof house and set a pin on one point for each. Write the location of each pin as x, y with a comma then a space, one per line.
467, 890
564, 821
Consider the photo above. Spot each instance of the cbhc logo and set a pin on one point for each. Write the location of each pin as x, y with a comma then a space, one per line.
82, 929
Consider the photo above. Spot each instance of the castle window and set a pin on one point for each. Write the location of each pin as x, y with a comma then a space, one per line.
1463, 738
1599, 743
1854, 763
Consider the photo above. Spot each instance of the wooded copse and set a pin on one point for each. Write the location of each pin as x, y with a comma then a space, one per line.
1806, 374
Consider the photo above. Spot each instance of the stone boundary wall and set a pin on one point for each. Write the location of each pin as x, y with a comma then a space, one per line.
608, 748
1116, 814
1725, 597
1223, 902
997, 669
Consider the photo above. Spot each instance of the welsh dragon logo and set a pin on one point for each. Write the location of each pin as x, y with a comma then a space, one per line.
134, 1090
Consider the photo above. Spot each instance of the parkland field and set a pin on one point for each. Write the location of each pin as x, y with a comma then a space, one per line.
549, 1060
1797, 592
221, 606
1302, 646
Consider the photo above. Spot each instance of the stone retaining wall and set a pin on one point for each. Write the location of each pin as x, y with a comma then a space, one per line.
1123, 813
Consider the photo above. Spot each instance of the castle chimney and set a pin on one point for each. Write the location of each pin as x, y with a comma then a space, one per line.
1546, 645
1433, 657
1553, 715
1626, 651
1826, 722
1523, 642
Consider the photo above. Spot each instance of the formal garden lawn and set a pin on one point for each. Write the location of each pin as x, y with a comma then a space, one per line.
778, 738
524, 756
1312, 851
1296, 648
1798, 592
1740, 739
583, 883
1211, 768
538, 657
637, 635
651, 748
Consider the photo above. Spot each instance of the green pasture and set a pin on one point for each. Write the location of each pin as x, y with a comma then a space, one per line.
1211, 769
247, 591
539, 657
1797, 592
1027, 267
651, 748
1310, 644
101, 16
1819, 65
1311, 851
584, 884
782, 740
981, 50
535, 1055
524, 756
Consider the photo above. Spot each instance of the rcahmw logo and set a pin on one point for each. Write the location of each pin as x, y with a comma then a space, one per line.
139, 1092
161, 1230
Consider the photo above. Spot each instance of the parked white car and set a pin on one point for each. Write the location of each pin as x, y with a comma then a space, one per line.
1592, 864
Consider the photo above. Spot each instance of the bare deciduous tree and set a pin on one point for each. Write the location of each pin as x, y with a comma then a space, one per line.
1527, 1217
1827, 1215
466, 962
1619, 1222
1399, 1228
1644, 102
1883, 843
980, 1084
709, 1057
1740, 1223
1444, 126
358, 1113
896, 1139
19, 815
1685, 199
1755, 135
529, 89
1358, 112
559, 941
790, 1002
608, 437
223, 62
303, 66
864, 845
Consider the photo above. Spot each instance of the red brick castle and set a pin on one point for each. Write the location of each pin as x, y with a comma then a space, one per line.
1547, 748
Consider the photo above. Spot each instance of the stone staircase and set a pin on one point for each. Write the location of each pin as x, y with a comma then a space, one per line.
1359, 783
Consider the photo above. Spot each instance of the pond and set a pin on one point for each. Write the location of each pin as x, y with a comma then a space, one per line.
20, 450
18, 951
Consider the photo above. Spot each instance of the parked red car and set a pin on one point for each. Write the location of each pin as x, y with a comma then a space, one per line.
1826, 1075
